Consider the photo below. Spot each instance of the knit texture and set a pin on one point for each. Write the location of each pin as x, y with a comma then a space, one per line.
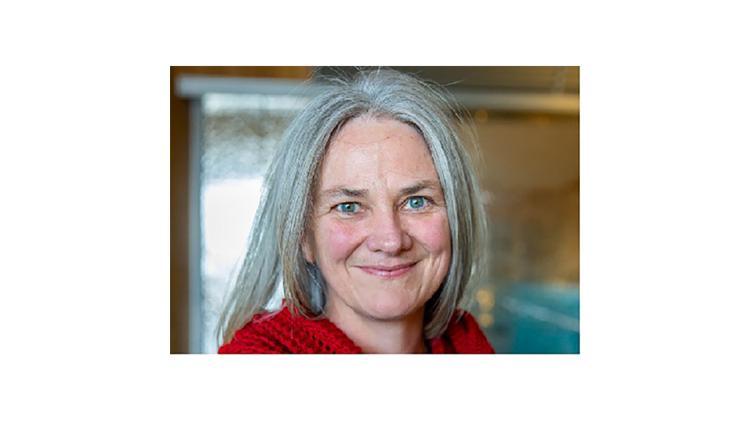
283, 333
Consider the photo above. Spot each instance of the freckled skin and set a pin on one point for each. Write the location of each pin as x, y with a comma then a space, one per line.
380, 157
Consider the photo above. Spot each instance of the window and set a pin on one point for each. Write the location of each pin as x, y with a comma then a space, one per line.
240, 134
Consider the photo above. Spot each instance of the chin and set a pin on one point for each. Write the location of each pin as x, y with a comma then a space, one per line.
389, 308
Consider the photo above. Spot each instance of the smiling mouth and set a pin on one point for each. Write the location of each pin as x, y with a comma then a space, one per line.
388, 272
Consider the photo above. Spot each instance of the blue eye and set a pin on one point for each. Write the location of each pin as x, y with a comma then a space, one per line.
348, 207
416, 202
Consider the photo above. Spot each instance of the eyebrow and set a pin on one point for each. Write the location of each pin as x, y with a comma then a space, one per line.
357, 193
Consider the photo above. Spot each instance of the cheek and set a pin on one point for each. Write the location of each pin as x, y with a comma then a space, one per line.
434, 233
338, 240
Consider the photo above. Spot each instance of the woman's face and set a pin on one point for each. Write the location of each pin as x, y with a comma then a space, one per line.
379, 232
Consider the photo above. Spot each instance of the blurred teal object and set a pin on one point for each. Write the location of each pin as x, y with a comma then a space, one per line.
537, 318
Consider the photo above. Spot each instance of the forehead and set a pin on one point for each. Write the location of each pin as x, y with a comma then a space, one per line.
369, 150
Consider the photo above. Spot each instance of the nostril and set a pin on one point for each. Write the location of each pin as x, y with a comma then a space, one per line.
389, 243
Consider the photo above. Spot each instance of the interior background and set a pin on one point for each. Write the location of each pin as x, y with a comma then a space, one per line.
527, 121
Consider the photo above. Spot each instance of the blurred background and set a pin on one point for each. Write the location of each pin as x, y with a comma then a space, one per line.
227, 121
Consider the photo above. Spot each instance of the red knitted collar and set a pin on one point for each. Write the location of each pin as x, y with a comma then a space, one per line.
284, 333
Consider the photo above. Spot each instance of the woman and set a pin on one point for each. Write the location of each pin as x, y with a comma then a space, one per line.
371, 221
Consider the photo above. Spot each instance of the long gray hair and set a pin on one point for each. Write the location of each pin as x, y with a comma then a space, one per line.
274, 252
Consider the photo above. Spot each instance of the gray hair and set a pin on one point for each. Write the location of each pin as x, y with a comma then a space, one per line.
274, 252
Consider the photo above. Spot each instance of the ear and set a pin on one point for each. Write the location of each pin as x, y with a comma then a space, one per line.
307, 249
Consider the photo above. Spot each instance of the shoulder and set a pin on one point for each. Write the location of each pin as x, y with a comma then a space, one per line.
462, 320
263, 334
282, 332
465, 336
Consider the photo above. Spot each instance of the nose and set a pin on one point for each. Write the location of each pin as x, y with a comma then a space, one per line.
387, 235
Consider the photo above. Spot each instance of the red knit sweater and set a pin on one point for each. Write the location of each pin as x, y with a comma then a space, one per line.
282, 333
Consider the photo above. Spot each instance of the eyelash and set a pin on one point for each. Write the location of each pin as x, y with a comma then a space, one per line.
341, 205
427, 203
426, 200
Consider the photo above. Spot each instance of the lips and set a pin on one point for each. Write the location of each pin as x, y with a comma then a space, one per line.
388, 272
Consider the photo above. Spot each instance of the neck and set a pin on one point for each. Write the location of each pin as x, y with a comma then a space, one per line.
401, 336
